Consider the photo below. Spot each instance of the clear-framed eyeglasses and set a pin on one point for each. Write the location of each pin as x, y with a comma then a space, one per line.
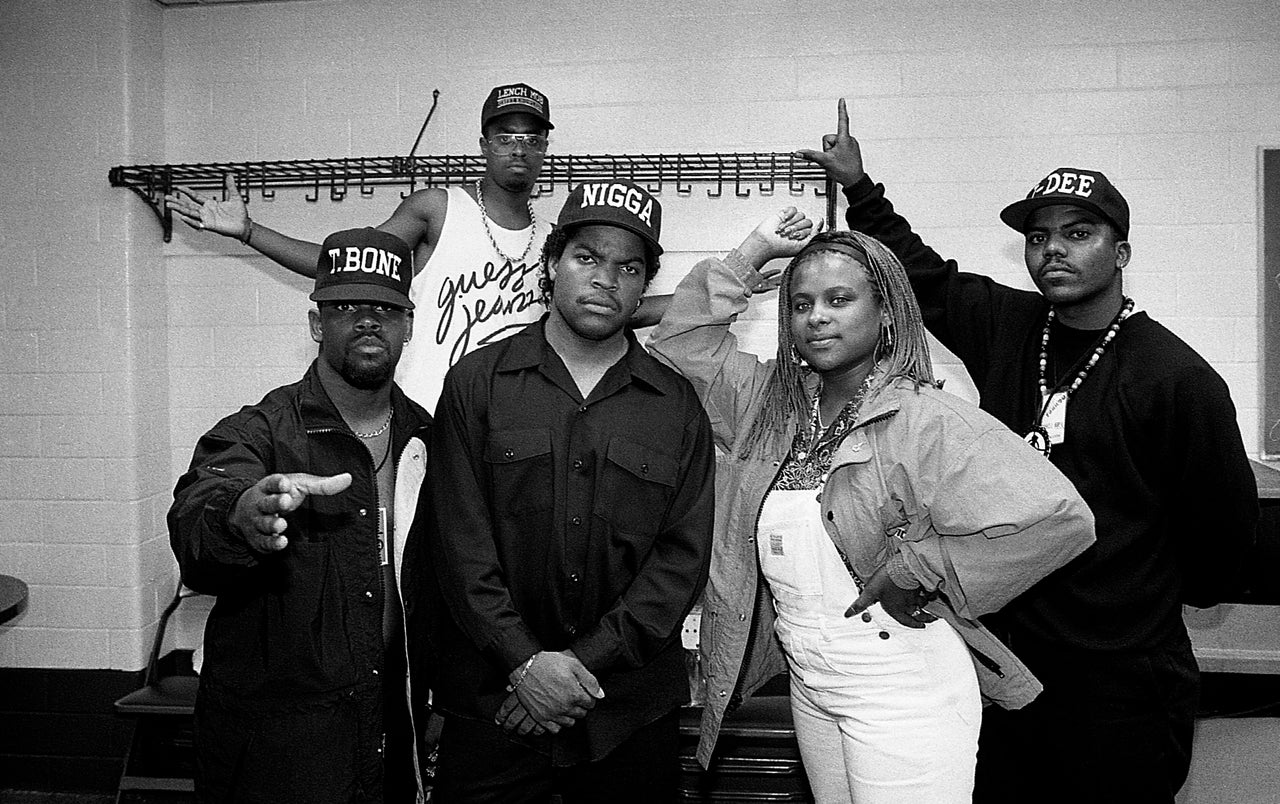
506, 143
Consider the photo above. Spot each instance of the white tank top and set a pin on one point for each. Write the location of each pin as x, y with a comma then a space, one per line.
467, 295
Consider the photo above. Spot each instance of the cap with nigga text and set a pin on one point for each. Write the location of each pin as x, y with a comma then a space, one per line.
615, 203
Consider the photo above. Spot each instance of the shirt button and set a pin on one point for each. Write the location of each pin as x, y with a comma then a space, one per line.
577, 466
574, 577
644, 468
582, 409
724, 693
375, 672
364, 512
742, 617
509, 454
866, 616
884, 634
368, 594
577, 520
570, 630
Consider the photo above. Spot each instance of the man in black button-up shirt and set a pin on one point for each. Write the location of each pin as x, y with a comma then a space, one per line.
572, 481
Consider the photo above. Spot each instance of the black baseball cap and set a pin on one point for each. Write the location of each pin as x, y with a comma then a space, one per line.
1088, 189
512, 98
615, 203
364, 265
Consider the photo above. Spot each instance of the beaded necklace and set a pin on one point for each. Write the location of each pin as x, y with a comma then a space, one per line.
1038, 436
484, 217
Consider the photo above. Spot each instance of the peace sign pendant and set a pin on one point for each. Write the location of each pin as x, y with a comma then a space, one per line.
1038, 438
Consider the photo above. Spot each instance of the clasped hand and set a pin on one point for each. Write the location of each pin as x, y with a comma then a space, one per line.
555, 692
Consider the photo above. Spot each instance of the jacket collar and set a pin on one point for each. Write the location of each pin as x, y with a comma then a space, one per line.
318, 411
528, 349
885, 402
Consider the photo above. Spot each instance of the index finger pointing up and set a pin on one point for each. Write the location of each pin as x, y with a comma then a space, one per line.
842, 119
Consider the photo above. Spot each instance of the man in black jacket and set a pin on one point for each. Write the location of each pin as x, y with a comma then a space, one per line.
293, 514
1146, 431
572, 481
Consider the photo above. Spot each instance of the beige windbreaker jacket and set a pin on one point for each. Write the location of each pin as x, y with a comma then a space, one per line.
975, 513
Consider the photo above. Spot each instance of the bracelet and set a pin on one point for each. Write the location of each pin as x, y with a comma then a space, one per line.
248, 232
524, 671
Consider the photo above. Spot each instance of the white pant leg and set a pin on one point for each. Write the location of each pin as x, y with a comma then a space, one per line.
885, 721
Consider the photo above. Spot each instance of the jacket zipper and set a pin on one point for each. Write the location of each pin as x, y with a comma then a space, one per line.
381, 573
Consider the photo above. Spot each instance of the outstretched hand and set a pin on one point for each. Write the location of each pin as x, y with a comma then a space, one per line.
840, 157
782, 234
904, 605
230, 217
258, 513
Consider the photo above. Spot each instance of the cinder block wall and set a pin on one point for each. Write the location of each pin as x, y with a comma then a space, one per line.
120, 350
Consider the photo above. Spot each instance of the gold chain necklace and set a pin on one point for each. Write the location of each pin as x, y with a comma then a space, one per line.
484, 217
379, 431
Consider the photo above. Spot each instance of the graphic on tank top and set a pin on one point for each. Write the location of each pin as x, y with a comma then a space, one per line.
467, 295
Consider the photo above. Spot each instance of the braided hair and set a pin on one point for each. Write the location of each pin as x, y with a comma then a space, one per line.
902, 350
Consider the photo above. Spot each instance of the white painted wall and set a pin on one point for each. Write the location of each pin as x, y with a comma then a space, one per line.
119, 351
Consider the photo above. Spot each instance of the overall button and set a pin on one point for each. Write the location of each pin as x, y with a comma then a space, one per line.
866, 616
884, 634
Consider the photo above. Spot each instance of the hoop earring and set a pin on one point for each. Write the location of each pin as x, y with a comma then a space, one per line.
886, 339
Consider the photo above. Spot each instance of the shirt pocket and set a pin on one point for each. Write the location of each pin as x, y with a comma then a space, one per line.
520, 465
635, 488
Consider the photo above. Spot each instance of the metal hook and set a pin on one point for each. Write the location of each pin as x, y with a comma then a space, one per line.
793, 186
649, 185
337, 193
737, 178
767, 189
267, 195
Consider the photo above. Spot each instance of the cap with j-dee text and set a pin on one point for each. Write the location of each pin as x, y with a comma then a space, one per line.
512, 98
615, 203
364, 265
1088, 189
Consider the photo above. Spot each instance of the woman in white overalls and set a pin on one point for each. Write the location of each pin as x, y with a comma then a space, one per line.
883, 515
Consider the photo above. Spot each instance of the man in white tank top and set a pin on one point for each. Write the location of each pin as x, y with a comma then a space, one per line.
480, 244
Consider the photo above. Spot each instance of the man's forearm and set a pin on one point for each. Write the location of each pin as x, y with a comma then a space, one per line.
299, 256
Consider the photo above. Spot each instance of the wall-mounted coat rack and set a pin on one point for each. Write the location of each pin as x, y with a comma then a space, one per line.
737, 173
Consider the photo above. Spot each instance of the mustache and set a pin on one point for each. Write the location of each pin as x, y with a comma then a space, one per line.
598, 298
